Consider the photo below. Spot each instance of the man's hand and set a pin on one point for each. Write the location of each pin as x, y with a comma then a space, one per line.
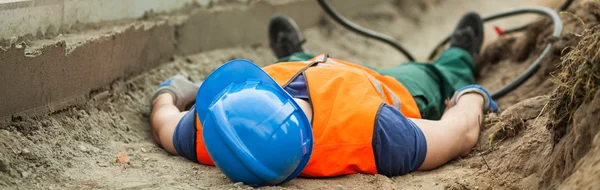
181, 88
488, 103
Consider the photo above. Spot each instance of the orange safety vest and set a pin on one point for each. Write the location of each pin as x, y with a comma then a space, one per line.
345, 98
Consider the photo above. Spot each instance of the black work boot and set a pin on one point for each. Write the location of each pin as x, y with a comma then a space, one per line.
469, 34
284, 36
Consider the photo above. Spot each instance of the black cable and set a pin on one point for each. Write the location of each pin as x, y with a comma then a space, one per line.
558, 26
563, 7
363, 31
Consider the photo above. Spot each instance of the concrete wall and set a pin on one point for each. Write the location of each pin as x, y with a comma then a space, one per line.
62, 74
21, 17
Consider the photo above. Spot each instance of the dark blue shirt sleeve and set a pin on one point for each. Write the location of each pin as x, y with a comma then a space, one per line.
184, 137
298, 88
399, 145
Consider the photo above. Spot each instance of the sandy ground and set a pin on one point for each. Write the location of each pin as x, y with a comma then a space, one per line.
76, 148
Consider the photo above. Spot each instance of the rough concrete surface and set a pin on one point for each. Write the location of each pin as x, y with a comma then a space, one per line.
33, 17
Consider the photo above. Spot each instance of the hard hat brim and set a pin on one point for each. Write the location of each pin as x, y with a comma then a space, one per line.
235, 71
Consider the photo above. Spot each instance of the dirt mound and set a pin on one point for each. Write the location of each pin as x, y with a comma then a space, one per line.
515, 52
576, 157
562, 126
574, 107
565, 124
576, 82
587, 171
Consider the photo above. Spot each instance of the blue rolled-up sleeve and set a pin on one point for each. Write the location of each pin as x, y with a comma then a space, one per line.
184, 137
398, 143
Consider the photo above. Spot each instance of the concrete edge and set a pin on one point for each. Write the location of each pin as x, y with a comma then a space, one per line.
47, 17
57, 78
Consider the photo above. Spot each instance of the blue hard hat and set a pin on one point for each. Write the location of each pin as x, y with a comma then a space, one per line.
252, 129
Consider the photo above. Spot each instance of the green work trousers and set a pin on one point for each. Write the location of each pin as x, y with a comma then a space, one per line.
430, 84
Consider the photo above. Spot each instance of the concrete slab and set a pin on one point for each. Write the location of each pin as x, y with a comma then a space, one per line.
41, 17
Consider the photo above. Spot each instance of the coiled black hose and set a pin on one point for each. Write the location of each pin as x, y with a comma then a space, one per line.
563, 7
558, 25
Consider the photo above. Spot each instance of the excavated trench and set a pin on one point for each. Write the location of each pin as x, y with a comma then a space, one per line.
546, 137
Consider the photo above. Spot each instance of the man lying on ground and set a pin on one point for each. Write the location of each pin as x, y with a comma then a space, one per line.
321, 117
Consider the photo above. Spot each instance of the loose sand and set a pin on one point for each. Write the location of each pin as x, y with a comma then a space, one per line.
76, 147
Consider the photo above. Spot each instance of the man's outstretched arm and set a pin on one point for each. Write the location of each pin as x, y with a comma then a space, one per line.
458, 130
455, 134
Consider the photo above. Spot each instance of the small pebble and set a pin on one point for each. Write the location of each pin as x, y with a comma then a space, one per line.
144, 150
238, 184
122, 158
5, 132
339, 187
24, 174
102, 164
146, 159
25, 151
4, 165
83, 148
